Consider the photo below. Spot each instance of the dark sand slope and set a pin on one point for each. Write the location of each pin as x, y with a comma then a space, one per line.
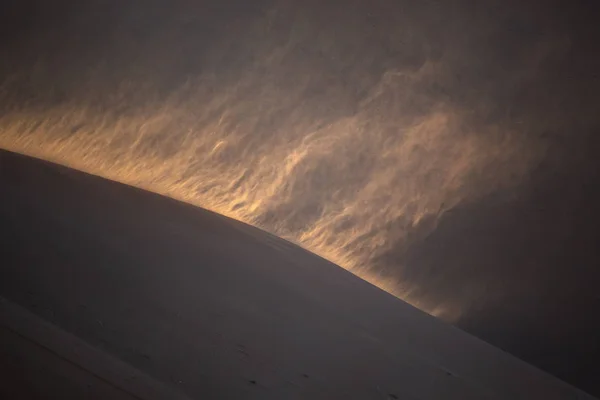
190, 301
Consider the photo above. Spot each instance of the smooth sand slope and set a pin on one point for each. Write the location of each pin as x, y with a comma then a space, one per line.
119, 293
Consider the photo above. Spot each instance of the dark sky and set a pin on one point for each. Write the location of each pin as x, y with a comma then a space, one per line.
524, 257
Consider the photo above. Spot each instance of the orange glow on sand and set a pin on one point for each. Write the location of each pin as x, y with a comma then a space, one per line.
347, 187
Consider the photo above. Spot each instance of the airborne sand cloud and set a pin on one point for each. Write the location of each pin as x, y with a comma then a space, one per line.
321, 127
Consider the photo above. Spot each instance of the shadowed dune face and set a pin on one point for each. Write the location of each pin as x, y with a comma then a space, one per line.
348, 129
201, 305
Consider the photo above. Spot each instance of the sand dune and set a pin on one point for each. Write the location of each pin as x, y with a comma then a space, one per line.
206, 307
